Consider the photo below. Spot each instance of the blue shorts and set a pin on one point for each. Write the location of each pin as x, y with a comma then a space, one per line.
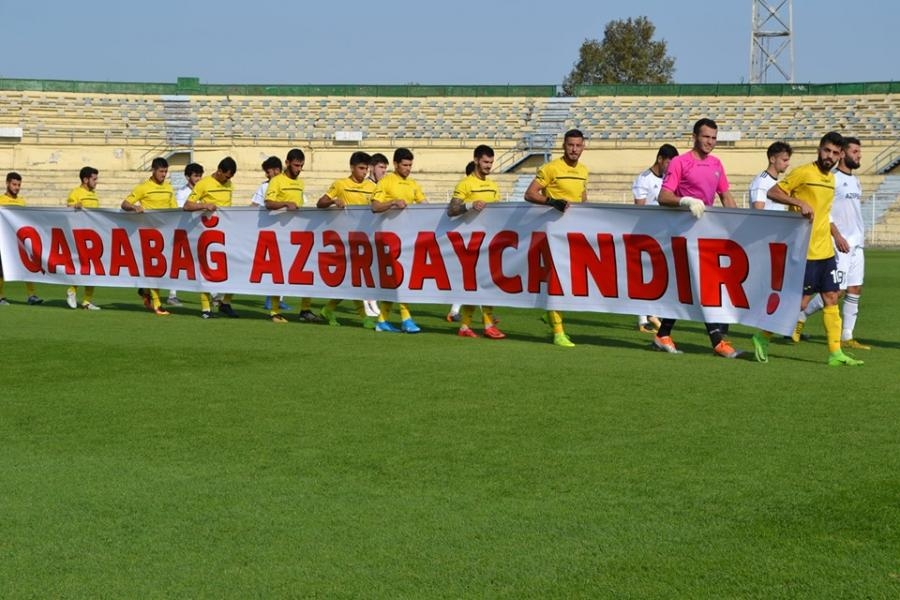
821, 276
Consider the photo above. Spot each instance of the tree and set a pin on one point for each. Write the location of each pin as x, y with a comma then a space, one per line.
627, 54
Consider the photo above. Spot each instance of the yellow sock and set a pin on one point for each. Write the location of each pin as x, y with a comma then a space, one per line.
831, 316
88, 294
154, 297
360, 307
332, 304
29, 287
487, 316
305, 304
385, 309
1, 288
404, 312
226, 299
465, 314
204, 301
555, 320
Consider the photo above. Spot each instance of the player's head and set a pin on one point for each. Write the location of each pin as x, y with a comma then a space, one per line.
830, 148
573, 145
704, 136
851, 153
779, 155
226, 170
193, 173
664, 156
403, 160
159, 168
88, 178
272, 166
13, 183
484, 160
378, 166
293, 162
359, 165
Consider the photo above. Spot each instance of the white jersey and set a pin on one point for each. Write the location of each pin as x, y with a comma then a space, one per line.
259, 198
846, 212
646, 187
759, 187
182, 195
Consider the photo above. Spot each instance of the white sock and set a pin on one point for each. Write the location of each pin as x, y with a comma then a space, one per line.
815, 305
848, 315
454, 310
173, 293
642, 320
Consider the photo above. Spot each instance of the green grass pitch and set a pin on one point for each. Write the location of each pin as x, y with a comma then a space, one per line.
147, 457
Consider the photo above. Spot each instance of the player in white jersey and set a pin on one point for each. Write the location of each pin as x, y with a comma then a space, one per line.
848, 233
779, 155
272, 166
645, 191
192, 174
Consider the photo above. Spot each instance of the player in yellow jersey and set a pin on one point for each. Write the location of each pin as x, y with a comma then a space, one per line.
355, 190
809, 190
154, 194
474, 193
396, 191
12, 198
209, 194
84, 196
556, 184
286, 191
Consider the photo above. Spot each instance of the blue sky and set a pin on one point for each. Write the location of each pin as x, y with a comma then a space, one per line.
499, 42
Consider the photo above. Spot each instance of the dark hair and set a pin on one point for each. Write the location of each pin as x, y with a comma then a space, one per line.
777, 148
704, 123
227, 165
470, 168
360, 158
193, 169
13, 176
159, 163
402, 154
667, 151
850, 140
572, 133
832, 137
295, 154
378, 159
273, 162
483, 150
87, 172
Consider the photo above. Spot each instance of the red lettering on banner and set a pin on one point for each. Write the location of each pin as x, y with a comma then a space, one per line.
267, 258
428, 263
213, 263
333, 265
714, 276
500, 243
121, 254
540, 266
59, 254
636, 246
182, 257
682, 270
361, 258
387, 251
601, 264
29, 237
298, 275
468, 256
152, 246
89, 246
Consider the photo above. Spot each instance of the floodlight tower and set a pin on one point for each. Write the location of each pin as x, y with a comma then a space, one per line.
772, 40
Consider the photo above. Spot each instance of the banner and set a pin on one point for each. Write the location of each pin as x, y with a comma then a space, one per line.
730, 266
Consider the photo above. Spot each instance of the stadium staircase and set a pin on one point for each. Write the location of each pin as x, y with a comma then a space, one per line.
887, 159
179, 123
540, 136
884, 197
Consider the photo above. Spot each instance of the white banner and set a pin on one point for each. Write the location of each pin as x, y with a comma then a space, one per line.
730, 266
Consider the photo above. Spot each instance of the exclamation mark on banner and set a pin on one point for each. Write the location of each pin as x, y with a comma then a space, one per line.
778, 254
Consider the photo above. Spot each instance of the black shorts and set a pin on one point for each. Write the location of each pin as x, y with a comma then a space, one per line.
821, 276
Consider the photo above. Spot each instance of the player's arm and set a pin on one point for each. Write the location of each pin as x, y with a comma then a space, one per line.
380, 206
73, 202
272, 201
668, 198
777, 194
132, 204
727, 199
536, 194
839, 240
327, 201
757, 199
195, 202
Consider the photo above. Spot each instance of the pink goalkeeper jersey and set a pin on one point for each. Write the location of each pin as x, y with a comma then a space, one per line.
689, 176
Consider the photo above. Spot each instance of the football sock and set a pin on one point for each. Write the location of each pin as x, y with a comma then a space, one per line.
831, 317
848, 314
554, 318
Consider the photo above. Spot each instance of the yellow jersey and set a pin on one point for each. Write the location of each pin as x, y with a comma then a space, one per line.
562, 182
87, 198
284, 189
352, 193
210, 190
816, 188
394, 187
472, 189
7, 200
153, 196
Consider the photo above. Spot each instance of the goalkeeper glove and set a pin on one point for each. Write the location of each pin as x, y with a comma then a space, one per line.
694, 204
559, 205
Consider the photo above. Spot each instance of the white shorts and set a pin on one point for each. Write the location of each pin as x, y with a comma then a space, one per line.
851, 267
